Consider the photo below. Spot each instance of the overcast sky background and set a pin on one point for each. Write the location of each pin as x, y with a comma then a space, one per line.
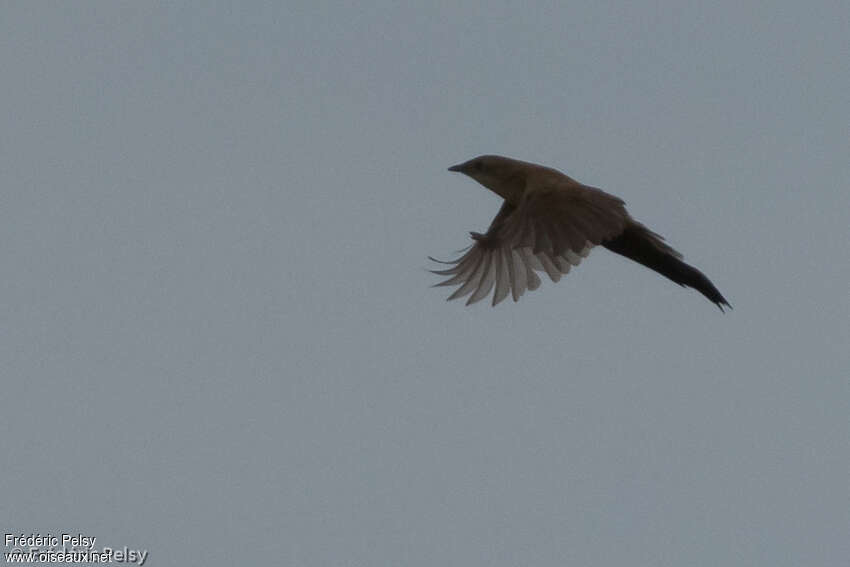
219, 342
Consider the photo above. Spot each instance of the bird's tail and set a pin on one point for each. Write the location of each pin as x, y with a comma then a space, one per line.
640, 244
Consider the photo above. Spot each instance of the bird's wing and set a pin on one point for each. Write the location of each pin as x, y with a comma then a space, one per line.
550, 230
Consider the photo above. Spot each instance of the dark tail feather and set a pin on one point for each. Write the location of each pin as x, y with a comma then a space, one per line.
640, 244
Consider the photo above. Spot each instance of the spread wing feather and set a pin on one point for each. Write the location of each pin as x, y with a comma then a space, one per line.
551, 230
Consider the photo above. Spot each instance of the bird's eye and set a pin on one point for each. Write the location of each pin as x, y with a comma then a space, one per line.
479, 165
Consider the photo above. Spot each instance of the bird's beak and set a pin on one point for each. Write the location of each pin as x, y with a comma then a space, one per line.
458, 168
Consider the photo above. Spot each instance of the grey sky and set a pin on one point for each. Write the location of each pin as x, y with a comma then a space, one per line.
218, 340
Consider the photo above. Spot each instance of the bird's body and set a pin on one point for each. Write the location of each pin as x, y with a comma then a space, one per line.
548, 223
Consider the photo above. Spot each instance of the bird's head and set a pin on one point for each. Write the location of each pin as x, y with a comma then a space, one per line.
504, 176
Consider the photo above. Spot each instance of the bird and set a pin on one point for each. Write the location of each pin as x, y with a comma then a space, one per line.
549, 222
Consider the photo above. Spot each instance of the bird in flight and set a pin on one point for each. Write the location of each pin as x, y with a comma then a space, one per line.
549, 222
